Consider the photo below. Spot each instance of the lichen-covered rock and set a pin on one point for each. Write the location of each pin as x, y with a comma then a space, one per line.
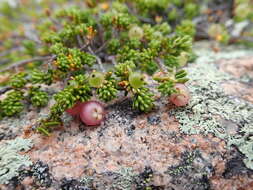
210, 105
11, 159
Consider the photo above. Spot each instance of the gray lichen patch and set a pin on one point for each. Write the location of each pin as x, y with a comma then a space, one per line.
11, 160
12, 127
210, 105
192, 172
125, 179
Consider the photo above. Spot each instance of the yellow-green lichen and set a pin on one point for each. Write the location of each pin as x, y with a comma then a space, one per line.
210, 105
11, 160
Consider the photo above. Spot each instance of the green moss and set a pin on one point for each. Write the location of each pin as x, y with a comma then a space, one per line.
10, 158
210, 105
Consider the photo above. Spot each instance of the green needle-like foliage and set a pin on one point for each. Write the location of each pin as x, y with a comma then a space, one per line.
12, 104
179, 43
74, 59
108, 91
122, 70
18, 80
147, 59
38, 76
191, 10
167, 82
167, 88
180, 76
77, 90
186, 28
64, 100
30, 47
80, 89
38, 97
143, 99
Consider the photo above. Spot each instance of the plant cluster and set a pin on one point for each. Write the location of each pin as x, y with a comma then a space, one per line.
18, 44
81, 43
25, 88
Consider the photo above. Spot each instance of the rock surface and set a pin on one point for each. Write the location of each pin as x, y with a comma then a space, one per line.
206, 145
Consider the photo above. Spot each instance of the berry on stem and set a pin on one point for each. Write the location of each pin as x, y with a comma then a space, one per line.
96, 79
136, 80
182, 97
135, 32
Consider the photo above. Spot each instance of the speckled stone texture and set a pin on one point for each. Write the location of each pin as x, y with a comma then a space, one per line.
134, 151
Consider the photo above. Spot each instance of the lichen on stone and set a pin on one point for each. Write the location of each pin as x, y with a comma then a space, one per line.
125, 180
10, 158
192, 172
209, 105
178, 170
12, 127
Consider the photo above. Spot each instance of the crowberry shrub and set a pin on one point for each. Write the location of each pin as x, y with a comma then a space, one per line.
102, 50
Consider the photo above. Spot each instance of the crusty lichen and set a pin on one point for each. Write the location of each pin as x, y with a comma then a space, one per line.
192, 172
125, 180
10, 158
210, 105
188, 159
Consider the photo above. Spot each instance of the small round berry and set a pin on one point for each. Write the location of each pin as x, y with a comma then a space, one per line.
136, 80
92, 113
96, 79
182, 97
135, 32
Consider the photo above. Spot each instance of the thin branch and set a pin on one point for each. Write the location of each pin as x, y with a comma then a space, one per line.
85, 46
4, 53
112, 59
5, 89
101, 47
146, 20
143, 19
79, 40
50, 61
23, 62
161, 65
97, 58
